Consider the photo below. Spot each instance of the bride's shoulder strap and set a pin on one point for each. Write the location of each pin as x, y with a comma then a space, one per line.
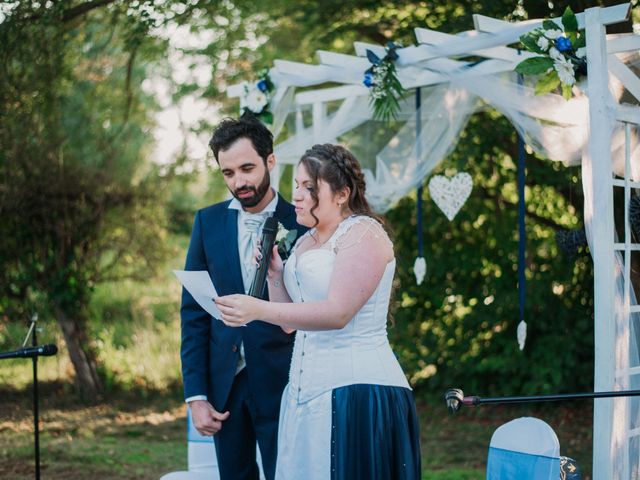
301, 238
354, 229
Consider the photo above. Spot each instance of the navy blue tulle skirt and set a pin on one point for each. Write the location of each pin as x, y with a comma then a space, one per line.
374, 434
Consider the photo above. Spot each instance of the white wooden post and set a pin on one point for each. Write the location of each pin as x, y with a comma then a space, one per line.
319, 119
602, 248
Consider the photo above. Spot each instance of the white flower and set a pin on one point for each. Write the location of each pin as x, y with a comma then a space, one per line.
253, 99
565, 71
378, 91
543, 43
285, 240
282, 232
555, 54
581, 52
552, 34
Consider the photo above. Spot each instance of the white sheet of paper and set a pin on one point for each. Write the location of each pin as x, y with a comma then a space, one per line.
200, 286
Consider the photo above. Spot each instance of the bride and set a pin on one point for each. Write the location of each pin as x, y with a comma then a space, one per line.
348, 411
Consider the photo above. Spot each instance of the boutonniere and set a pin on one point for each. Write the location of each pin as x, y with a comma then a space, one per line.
284, 240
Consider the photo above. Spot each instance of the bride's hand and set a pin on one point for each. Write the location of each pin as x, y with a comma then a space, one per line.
276, 265
238, 310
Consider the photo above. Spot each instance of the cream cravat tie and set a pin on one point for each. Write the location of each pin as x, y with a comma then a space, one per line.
252, 223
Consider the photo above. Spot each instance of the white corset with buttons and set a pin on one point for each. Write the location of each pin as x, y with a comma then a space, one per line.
357, 354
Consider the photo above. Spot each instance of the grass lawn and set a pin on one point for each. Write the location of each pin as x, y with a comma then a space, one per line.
129, 436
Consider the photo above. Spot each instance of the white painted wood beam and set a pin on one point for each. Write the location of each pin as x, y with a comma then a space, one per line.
628, 113
462, 46
629, 79
609, 16
308, 74
432, 37
319, 114
362, 47
330, 94
342, 60
618, 43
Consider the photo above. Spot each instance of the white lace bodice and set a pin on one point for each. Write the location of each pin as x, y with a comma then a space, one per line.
357, 353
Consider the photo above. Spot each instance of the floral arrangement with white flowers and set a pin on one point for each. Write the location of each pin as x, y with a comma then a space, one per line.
382, 80
285, 240
563, 55
256, 97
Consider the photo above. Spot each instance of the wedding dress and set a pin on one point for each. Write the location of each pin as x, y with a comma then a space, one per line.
347, 411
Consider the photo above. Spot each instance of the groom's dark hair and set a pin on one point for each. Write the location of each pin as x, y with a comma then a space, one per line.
230, 130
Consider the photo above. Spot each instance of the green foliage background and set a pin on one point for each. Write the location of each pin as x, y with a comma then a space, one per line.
459, 326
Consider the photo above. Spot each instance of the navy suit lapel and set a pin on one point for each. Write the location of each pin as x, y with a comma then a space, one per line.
231, 252
285, 213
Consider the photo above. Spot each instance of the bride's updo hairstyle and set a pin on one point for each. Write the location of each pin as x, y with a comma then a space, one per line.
338, 168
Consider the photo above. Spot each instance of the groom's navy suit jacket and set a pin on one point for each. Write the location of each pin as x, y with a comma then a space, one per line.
210, 349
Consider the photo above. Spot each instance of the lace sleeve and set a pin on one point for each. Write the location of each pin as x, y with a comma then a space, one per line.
354, 230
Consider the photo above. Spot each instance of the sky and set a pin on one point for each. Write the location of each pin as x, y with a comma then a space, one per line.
174, 120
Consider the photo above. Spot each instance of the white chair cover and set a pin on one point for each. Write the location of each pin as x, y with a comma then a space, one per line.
525, 448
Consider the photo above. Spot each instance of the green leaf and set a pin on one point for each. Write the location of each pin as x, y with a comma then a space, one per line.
547, 83
266, 116
550, 25
566, 91
530, 42
569, 20
534, 66
581, 40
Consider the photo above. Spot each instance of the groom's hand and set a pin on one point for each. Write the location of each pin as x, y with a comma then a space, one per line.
206, 419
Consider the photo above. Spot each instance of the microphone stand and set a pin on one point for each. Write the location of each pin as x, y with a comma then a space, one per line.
36, 411
455, 398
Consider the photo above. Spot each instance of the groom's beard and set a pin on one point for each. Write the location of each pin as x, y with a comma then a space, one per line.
258, 192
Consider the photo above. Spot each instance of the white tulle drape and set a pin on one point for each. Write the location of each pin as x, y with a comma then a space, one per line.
551, 126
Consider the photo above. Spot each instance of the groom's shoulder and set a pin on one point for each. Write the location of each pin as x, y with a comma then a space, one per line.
284, 209
284, 204
214, 211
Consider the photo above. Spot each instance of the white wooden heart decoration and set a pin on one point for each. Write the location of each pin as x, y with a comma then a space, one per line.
420, 269
449, 194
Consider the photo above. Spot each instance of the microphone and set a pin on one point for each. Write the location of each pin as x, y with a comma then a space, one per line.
453, 397
42, 351
456, 398
269, 232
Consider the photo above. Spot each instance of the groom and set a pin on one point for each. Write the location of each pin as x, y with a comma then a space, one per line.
234, 377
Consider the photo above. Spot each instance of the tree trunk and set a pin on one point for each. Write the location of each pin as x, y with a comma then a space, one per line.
82, 356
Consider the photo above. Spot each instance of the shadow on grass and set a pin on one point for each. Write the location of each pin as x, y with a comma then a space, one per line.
124, 435
141, 435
